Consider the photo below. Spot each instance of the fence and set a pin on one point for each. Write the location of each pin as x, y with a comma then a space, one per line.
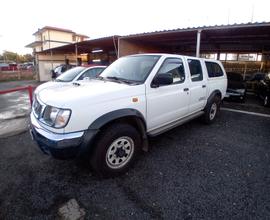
29, 88
17, 75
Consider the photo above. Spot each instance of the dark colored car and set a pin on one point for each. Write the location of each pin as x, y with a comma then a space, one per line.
263, 89
236, 88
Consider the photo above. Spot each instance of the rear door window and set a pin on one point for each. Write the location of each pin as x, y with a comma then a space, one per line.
213, 69
195, 70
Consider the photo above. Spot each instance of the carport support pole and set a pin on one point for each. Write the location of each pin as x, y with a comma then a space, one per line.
198, 43
76, 52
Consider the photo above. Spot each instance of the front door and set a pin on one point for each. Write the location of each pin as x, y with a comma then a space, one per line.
168, 103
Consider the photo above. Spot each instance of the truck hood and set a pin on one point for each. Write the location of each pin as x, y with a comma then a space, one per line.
51, 84
95, 91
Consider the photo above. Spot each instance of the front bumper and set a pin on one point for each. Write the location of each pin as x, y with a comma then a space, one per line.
60, 146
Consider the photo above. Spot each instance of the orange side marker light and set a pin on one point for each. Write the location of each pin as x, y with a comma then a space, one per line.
135, 99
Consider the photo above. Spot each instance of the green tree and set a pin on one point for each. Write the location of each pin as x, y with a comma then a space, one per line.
28, 57
15, 57
10, 56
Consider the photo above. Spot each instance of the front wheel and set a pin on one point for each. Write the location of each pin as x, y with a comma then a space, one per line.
115, 150
211, 110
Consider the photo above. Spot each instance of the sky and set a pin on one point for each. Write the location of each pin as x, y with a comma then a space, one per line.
99, 18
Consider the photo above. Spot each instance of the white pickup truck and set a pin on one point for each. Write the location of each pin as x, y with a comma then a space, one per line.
109, 119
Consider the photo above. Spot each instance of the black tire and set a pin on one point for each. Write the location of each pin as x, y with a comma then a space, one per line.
101, 159
209, 116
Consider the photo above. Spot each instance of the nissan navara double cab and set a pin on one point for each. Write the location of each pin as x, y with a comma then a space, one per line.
108, 120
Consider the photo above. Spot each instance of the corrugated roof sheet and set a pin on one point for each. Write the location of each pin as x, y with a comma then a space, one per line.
236, 25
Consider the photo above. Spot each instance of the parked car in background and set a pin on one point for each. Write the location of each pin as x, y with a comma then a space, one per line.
80, 73
71, 75
4, 66
57, 71
256, 76
263, 89
236, 89
25, 66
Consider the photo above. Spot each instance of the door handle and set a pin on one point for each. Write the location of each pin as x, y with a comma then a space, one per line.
186, 89
203, 86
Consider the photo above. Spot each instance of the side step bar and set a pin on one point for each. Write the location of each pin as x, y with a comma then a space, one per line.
174, 124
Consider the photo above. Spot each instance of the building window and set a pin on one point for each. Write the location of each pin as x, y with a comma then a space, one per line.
222, 56
231, 56
209, 56
240, 57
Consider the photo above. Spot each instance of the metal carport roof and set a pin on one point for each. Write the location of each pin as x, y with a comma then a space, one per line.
106, 44
250, 37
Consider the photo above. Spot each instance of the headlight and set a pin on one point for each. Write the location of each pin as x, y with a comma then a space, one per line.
56, 117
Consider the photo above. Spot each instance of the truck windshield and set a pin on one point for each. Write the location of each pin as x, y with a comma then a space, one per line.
69, 75
134, 69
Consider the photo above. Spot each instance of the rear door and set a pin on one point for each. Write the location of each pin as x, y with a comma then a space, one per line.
198, 84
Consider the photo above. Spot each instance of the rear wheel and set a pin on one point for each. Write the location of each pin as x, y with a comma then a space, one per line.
211, 111
115, 150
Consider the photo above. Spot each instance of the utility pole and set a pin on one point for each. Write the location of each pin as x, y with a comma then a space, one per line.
229, 13
252, 13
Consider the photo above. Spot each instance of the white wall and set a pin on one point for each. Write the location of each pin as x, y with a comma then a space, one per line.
55, 36
45, 70
46, 63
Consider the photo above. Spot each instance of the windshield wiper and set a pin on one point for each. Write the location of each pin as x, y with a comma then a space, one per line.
117, 79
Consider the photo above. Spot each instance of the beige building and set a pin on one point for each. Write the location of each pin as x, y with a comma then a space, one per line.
51, 37
48, 38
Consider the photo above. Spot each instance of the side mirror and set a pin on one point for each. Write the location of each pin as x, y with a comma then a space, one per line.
86, 78
162, 80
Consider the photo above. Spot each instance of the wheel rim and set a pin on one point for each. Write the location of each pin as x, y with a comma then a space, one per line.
266, 100
213, 111
120, 152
